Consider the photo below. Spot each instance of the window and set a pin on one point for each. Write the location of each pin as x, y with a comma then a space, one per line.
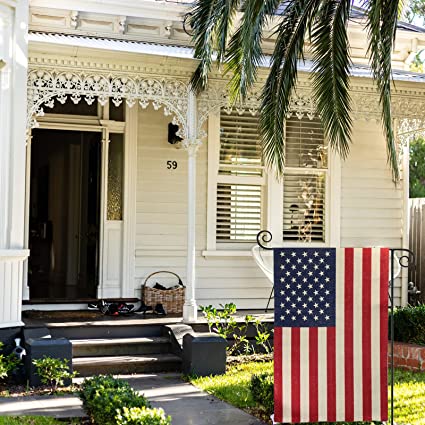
305, 181
243, 199
240, 179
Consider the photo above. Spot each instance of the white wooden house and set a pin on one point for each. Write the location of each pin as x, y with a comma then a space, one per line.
96, 195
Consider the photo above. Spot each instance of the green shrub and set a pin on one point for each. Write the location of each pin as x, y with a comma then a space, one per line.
8, 363
104, 396
409, 324
53, 371
261, 387
224, 323
142, 416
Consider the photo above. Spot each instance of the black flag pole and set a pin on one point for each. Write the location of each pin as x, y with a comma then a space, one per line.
406, 260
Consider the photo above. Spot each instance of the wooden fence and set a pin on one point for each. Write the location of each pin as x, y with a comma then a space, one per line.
417, 243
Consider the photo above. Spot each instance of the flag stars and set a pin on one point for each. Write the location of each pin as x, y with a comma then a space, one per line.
306, 278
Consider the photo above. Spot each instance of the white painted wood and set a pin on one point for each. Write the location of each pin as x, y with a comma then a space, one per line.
213, 162
333, 197
190, 308
11, 277
406, 225
273, 207
372, 210
13, 99
103, 200
112, 260
129, 202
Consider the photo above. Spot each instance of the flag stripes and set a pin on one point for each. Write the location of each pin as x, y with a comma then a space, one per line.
339, 373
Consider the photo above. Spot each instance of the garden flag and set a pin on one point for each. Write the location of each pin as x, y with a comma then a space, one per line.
331, 334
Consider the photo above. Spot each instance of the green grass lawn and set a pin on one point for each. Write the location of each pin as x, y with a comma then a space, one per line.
35, 420
409, 390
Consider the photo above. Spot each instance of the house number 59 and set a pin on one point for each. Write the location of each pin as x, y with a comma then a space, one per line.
171, 165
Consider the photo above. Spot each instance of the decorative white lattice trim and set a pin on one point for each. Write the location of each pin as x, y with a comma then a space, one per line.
47, 86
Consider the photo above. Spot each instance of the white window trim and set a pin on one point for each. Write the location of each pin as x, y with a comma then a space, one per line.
272, 202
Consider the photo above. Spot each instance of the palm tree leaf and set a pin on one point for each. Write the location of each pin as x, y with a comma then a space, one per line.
244, 53
331, 78
382, 26
281, 81
211, 22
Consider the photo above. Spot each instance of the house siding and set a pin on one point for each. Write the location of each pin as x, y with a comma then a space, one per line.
371, 204
371, 213
161, 223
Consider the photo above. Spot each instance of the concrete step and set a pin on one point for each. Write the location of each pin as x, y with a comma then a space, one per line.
120, 346
104, 330
89, 366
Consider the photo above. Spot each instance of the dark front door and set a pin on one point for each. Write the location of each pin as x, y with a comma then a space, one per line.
64, 214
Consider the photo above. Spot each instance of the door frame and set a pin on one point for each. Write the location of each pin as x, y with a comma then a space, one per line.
129, 129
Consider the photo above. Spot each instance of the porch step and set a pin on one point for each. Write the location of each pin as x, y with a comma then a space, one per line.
88, 366
120, 346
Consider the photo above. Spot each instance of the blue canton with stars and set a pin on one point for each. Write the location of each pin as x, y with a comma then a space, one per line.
304, 284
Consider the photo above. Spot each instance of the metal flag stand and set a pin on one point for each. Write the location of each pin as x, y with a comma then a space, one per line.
405, 260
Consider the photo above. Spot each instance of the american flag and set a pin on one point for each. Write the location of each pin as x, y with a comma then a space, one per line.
331, 334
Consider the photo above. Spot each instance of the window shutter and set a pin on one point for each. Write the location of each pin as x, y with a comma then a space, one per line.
304, 182
304, 207
238, 212
305, 147
240, 149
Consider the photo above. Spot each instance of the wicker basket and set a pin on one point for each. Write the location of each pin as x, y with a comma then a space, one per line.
171, 299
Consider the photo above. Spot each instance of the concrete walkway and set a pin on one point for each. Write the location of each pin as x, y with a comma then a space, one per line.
185, 403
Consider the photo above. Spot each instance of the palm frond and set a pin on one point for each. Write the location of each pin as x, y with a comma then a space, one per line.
281, 81
211, 22
331, 79
382, 26
244, 53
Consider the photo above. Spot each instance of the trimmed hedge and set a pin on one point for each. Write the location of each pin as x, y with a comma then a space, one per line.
261, 387
143, 416
104, 396
409, 324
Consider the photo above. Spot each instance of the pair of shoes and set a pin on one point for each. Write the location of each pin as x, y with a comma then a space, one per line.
143, 308
93, 306
159, 310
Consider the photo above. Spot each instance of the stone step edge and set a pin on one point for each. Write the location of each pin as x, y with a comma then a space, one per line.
87, 342
117, 360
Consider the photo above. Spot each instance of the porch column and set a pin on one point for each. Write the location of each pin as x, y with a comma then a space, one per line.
191, 144
13, 110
